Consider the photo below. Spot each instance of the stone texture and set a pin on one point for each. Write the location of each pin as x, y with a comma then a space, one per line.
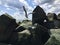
39, 16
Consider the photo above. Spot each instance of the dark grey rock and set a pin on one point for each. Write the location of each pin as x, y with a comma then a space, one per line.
39, 35
52, 17
7, 27
39, 16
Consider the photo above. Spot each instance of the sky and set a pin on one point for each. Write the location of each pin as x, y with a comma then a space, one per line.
15, 7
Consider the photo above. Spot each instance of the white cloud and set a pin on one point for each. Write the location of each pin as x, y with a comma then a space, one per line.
2, 12
51, 9
36, 2
27, 6
6, 5
57, 2
18, 6
18, 16
8, 8
0, 2
24, 2
47, 5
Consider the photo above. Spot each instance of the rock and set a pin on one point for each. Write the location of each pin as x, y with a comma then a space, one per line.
52, 20
4, 44
20, 28
39, 35
35, 35
39, 16
52, 41
58, 16
7, 27
58, 21
52, 16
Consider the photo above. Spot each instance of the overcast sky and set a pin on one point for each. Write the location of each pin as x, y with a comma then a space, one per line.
14, 7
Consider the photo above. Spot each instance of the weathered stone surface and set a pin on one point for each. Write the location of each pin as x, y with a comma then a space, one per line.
58, 16
58, 21
35, 35
52, 41
39, 35
7, 26
54, 38
52, 16
4, 44
39, 16
20, 28
26, 23
52, 20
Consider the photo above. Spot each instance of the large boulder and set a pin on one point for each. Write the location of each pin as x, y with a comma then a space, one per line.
7, 27
40, 35
52, 17
54, 37
58, 20
52, 41
39, 16
34, 35
58, 16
